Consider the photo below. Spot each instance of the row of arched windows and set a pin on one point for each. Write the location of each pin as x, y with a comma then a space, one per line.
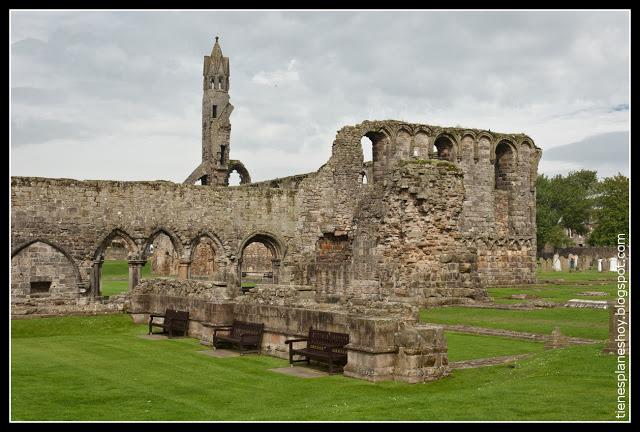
443, 149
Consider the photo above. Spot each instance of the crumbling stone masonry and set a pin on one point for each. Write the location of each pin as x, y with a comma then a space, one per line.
437, 215
444, 212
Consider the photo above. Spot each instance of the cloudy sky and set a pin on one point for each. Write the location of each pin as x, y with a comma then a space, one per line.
117, 95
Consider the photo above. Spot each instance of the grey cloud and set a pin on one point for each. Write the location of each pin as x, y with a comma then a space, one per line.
602, 148
107, 72
35, 131
607, 153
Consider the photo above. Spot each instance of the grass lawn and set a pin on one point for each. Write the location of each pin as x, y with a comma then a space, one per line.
586, 323
578, 276
95, 368
555, 293
115, 276
467, 346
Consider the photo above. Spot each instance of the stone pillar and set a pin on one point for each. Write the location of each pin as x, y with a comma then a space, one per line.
383, 349
183, 269
422, 354
96, 286
135, 272
371, 350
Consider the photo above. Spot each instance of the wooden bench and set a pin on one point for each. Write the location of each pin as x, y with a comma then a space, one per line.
241, 334
323, 346
174, 322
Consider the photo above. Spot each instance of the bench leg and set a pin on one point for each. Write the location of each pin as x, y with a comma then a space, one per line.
290, 357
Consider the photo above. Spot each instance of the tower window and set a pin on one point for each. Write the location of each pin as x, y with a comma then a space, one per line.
214, 111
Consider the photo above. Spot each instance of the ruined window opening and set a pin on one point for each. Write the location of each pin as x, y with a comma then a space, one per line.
223, 150
164, 261
363, 178
111, 277
234, 178
214, 111
367, 149
221, 83
504, 166
416, 152
211, 84
40, 288
443, 148
257, 265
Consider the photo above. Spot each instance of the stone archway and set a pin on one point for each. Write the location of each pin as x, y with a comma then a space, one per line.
274, 248
103, 252
40, 268
238, 167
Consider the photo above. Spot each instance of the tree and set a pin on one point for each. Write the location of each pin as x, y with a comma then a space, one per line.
563, 202
611, 212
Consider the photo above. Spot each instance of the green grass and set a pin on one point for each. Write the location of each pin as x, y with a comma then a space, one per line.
115, 276
467, 346
578, 276
586, 323
95, 368
555, 293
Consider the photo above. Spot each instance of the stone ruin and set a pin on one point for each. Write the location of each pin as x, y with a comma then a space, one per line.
358, 246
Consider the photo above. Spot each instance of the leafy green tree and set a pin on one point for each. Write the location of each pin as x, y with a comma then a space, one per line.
563, 202
611, 212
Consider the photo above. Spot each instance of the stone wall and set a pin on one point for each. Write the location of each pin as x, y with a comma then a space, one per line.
380, 348
424, 229
41, 270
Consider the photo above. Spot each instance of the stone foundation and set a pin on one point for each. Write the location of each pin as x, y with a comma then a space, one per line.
380, 348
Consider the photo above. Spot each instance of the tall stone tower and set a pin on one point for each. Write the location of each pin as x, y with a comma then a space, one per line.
216, 127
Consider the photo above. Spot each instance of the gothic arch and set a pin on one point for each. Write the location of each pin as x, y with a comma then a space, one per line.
271, 241
506, 141
23, 246
471, 134
117, 232
455, 150
236, 165
175, 241
219, 248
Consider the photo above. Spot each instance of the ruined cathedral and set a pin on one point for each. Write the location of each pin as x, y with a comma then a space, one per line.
437, 215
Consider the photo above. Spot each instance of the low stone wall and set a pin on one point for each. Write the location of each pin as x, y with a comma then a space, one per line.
47, 307
380, 348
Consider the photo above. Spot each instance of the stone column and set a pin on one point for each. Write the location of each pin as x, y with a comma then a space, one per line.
371, 350
382, 349
95, 277
135, 272
183, 269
